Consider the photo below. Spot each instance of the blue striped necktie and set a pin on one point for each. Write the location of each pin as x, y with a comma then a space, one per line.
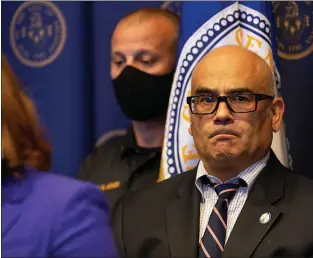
213, 241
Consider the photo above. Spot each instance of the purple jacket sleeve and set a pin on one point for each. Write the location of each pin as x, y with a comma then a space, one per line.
82, 229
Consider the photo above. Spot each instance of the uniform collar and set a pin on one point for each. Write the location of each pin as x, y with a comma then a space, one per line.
129, 145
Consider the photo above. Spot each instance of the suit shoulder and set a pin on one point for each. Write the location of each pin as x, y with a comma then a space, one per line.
164, 189
298, 193
301, 183
185, 177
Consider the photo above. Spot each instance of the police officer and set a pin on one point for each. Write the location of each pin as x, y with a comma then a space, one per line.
143, 53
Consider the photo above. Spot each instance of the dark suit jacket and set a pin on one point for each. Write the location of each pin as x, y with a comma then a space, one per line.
163, 221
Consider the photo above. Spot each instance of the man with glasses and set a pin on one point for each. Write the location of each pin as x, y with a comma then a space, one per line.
239, 201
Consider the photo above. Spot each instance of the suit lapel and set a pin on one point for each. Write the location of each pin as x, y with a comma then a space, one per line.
249, 230
182, 219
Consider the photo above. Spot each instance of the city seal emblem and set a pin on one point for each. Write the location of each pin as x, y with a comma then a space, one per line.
37, 33
294, 29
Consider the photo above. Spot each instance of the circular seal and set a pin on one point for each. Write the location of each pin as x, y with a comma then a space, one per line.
37, 33
294, 29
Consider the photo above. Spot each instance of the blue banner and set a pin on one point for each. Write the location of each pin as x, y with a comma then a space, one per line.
294, 37
45, 43
61, 53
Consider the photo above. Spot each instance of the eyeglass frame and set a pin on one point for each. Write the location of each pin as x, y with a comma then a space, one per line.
258, 97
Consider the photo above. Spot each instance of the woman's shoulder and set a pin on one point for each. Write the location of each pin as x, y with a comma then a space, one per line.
61, 186
52, 178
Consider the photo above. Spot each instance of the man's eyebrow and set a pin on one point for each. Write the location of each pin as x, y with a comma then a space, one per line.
204, 91
201, 90
240, 90
142, 52
119, 54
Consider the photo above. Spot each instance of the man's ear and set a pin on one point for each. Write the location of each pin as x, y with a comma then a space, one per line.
278, 108
190, 125
189, 129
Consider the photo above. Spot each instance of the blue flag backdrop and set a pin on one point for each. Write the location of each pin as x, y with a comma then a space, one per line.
293, 22
61, 52
46, 44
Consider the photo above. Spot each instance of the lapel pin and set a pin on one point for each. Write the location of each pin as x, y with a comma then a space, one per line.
265, 218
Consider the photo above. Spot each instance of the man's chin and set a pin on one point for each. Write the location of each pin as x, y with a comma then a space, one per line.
224, 155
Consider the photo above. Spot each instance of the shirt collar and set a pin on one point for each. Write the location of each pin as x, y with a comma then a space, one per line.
249, 174
129, 145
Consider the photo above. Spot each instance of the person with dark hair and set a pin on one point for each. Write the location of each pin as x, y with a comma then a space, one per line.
43, 214
143, 54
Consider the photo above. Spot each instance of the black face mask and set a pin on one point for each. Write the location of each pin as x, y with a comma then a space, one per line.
142, 96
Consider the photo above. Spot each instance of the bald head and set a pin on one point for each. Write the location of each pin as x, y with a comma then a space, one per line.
162, 23
146, 14
147, 40
235, 65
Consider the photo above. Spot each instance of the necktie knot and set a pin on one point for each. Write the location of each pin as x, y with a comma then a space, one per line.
227, 190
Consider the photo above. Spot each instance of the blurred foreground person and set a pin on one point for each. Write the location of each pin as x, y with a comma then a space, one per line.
43, 214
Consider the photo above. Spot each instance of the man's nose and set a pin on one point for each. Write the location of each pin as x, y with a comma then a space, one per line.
223, 115
129, 61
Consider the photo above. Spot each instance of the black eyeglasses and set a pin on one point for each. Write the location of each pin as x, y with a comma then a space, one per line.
237, 103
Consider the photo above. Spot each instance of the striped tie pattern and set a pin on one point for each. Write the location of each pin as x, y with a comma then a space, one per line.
213, 241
